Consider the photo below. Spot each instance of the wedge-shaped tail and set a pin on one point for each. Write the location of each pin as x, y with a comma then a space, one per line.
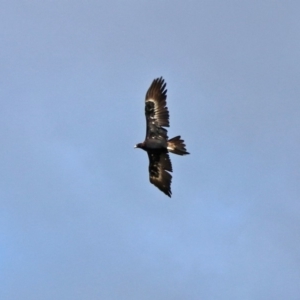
176, 145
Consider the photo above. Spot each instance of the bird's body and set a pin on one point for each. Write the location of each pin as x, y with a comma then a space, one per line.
157, 144
153, 144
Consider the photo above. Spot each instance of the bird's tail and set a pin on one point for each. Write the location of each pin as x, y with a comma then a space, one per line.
177, 146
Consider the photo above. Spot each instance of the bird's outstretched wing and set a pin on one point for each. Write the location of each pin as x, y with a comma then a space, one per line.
156, 110
159, 165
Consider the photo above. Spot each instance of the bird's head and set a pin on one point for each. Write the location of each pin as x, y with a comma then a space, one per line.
139, 145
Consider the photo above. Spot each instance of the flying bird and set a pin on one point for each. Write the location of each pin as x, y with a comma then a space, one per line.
157, 144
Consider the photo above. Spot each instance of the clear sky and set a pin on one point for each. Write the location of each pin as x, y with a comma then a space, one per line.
78, 217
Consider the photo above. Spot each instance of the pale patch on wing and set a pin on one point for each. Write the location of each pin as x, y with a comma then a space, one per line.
156, 110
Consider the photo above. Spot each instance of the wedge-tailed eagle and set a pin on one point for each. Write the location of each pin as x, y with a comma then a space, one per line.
157, 144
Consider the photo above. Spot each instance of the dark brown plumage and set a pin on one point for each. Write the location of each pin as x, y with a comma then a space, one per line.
157, 144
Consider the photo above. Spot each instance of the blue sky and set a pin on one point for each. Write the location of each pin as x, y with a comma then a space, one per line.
78, 216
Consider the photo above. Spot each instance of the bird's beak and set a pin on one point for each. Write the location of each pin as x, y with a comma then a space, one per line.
135, 146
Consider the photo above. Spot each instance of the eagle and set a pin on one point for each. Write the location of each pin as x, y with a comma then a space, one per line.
157, 144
